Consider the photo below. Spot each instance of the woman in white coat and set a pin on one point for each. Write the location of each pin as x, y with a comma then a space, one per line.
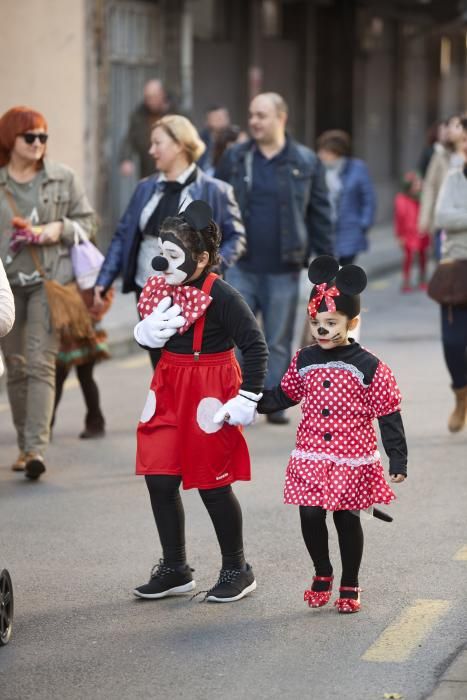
7, 308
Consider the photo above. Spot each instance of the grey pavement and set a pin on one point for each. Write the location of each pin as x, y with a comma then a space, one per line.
453, 683
78, 541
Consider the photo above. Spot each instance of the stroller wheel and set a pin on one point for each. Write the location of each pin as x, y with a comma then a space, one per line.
6, 607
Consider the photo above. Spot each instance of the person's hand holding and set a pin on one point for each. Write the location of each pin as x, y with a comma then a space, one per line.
50, 233
397, 478
98, 296
127, 168
241, 410
155, 330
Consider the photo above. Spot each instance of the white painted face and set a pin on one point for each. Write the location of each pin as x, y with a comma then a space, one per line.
330, 329
181, 264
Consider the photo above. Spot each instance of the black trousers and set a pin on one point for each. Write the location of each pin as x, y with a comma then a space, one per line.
94, 417
454, 337
224, 511
350, 535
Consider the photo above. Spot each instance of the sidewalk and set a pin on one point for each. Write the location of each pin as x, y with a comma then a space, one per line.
453, 682
383, 257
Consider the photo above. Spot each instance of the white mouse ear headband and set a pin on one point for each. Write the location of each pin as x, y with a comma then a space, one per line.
335, 289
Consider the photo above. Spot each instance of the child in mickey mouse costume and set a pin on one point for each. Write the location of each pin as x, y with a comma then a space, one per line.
335, 465
190, 429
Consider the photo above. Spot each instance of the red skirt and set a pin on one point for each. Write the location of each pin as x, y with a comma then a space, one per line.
176, 434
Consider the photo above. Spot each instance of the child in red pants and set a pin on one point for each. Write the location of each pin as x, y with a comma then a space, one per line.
412, 240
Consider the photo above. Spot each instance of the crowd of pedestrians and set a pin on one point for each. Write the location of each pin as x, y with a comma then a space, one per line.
277, 203
430, 213
228, 221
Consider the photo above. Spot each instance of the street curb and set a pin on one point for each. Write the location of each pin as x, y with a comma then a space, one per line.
453, 683
122, 344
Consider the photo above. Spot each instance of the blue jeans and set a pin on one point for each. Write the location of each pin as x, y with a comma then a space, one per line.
275, 296
454, 337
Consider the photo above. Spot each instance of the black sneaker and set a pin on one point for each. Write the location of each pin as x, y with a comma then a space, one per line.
233, 584
34, 466
166, 581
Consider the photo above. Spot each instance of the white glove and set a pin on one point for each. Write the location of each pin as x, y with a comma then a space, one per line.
241, 410
155, 330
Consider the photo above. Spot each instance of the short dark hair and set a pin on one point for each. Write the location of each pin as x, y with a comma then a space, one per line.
335, 140
215, 108
208, 239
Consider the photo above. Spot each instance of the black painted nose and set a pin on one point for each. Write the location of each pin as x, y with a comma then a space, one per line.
159, 263
322, 331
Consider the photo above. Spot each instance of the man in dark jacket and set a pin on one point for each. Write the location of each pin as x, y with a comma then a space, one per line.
281, 190
137, 139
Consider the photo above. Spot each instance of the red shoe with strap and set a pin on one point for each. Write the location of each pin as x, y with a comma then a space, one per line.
316, 599
348, 605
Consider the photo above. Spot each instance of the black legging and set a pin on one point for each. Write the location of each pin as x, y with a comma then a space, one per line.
350, 534
224, 511
90, 391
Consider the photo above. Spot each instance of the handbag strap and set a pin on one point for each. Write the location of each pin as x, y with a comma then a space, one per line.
14, 209
11, 201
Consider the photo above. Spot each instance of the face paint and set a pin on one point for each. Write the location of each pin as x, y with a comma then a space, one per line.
181, 265
329, 329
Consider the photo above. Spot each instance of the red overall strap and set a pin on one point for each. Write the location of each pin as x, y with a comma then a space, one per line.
199, 324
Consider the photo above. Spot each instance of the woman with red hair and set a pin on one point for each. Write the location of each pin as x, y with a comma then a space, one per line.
40, 201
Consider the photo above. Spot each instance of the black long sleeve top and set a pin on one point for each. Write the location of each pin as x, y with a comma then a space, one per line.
229, 322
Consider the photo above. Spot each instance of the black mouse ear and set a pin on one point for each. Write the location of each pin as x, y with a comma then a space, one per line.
198, 215
351, 280
323, 269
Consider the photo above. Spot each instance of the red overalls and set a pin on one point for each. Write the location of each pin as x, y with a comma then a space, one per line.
176, 434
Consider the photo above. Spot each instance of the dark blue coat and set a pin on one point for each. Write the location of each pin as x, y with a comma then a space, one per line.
356, 209
122, 254
305, 219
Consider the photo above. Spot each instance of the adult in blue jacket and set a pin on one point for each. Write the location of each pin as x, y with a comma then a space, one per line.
175, 147
351, 193
280, 187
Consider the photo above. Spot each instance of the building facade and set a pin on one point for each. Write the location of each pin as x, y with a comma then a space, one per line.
381, 70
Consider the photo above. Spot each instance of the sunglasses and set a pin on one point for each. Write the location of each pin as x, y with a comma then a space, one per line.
30, 138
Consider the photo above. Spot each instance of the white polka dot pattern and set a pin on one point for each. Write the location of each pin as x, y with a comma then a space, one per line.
149, 407
207, 407
193, 302
336, 464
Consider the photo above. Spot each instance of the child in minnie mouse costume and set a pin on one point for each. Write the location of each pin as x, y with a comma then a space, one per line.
190, 429
335, 465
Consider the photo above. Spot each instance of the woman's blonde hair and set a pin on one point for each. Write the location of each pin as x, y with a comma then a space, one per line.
183, 132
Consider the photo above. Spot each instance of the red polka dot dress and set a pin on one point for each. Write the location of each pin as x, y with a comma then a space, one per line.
336, 464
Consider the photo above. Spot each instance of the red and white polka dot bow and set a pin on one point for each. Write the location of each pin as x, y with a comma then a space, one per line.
323, 291
193, 302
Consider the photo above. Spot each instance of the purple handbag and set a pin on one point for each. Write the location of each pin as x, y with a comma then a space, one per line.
86, 259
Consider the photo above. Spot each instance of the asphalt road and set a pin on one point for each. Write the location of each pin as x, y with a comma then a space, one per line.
80, 539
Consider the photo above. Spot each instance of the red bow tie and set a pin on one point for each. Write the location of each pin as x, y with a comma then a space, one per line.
322, 291
193, 302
